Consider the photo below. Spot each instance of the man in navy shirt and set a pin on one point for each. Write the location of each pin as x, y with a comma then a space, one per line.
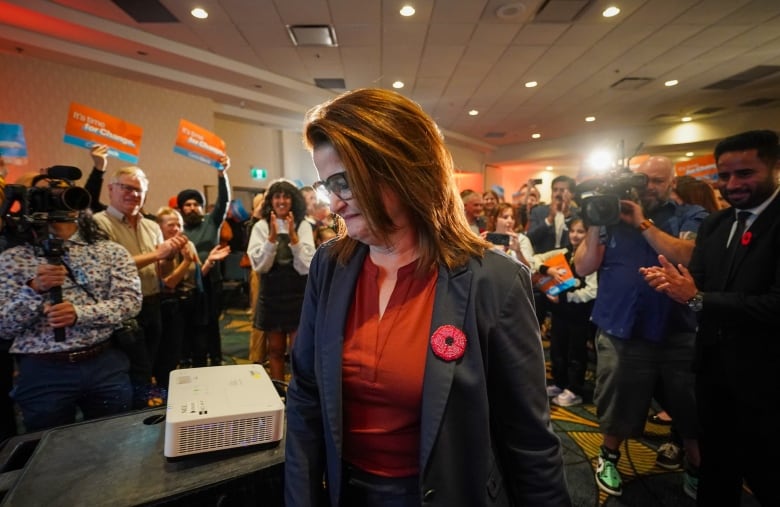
643, 336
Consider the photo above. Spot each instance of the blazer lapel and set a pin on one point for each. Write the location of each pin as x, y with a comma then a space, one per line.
758, 229
449, 307
339, 302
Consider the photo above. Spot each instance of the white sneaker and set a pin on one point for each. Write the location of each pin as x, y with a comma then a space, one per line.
567, 399
553, 390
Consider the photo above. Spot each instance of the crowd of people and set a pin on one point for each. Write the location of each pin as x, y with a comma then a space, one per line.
411, 313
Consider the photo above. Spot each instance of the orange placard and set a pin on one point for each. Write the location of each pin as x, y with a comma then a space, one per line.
547, 283
199, 144
87, 127
702, 168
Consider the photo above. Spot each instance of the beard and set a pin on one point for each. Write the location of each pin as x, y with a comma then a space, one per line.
192, 219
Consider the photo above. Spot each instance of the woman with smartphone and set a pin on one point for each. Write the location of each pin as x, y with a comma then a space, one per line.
501, 232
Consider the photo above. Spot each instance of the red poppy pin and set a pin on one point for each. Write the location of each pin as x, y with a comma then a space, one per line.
448, 342
746, 238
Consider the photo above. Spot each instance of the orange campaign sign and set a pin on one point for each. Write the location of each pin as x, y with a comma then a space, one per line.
701, 168
199, 144
87, 127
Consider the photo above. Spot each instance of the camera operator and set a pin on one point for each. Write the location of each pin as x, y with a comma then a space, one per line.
642, 337
66, 288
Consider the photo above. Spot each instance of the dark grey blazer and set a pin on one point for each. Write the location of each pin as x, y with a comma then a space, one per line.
486, 437
739, 323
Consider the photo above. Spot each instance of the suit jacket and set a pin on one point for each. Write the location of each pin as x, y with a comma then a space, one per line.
542, 236
739, 322
486, 437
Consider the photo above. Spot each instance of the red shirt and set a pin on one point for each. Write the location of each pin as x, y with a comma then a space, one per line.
384, 364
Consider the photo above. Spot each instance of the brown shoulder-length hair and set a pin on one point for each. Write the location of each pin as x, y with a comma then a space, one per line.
387, 142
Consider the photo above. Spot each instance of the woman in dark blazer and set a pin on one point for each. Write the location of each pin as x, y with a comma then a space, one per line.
418, 371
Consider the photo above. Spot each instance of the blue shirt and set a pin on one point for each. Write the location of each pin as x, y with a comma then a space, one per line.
626, 306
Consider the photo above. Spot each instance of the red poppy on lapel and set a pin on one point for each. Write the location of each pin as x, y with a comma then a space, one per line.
746, 238
448, 342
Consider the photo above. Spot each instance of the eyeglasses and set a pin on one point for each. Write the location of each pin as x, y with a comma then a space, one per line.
129, 188
335, 184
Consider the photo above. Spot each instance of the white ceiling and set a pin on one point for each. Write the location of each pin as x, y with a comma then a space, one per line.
453, 55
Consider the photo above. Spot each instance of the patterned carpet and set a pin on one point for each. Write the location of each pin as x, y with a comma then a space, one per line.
644, 483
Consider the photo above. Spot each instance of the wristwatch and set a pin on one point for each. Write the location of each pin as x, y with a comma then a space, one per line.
696, 303
645, 224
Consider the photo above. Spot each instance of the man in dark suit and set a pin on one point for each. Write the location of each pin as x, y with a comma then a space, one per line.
548, 226
733, 283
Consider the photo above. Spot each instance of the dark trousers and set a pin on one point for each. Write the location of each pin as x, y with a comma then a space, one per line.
7, 413
48, 391
725, 462
142, 361
364, 489
183, 336
213, 334
569, 334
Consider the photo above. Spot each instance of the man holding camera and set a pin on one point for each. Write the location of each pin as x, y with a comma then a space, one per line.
643, 336
548, 226
66, 289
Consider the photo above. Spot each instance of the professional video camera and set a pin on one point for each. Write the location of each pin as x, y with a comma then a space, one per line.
599, 198
26, 212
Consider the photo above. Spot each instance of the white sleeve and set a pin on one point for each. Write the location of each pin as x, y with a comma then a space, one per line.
261, 252
303, 251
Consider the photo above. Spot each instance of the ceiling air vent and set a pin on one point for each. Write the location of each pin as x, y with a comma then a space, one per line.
560, 11
708, 110
757, 102
495, 135
312, 35
330, 83
752, 74
630, 83
146, 11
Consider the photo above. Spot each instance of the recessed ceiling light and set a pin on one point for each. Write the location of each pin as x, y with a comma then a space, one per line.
536, 136
473, 112
671, 82
689, 154
686, 119
548, 168
398, 84
610, 12
531, 84
590, 118
199, 13
407, 10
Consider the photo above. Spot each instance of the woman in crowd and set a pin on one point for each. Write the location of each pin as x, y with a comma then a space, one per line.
280, 248
570, 324
418, 371
501, 222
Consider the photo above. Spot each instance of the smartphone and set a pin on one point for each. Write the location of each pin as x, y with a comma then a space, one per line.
498, 238
536, 181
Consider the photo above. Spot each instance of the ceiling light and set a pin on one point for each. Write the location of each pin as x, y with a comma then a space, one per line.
685, 119
610, 12
671, 82
590, 118
199, 13
473, 112
531, 84
548, 168
398, 84
536, 136
407, 10
689, 154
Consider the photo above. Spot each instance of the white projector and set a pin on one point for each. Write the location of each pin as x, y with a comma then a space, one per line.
221, 407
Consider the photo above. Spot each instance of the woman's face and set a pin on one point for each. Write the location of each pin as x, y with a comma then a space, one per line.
281, 203
489, 201
328, 163
505, 221
576, 233
170, 225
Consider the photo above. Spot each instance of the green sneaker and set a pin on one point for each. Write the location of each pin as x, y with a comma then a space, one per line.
607, 475
691, 482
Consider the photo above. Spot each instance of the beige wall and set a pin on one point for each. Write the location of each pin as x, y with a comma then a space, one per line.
37, 95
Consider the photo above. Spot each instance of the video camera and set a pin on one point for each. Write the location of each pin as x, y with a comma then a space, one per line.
599, 198
25, 210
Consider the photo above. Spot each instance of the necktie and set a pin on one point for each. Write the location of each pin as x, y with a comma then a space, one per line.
736, 238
